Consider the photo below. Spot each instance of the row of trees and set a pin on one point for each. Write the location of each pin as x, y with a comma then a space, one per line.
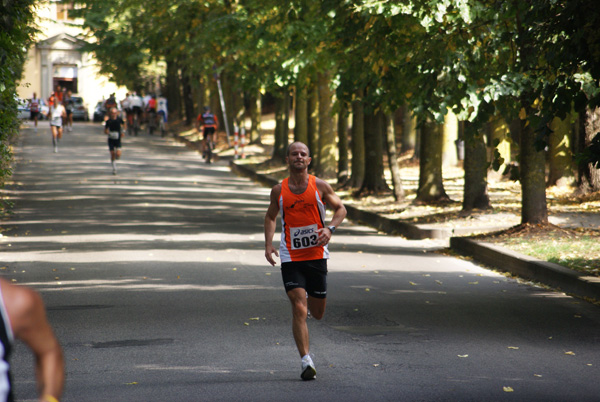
16, 34
530, 65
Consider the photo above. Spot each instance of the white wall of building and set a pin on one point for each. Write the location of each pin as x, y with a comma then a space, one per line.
55, 54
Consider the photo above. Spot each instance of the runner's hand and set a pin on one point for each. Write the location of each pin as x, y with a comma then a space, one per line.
269, 254
324, 236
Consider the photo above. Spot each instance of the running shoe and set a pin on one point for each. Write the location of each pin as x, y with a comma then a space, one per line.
308, 370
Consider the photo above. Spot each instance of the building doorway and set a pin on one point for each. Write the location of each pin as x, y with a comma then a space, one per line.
65, 76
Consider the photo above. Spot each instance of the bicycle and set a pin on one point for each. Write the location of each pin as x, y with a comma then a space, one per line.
151, 122
209, 146
136, 125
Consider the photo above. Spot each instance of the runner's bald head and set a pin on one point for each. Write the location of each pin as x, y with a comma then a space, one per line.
297, 143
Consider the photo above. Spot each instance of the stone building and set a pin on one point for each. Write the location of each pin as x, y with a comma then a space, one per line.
57, 59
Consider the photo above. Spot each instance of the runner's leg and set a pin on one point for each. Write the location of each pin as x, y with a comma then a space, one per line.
297, 297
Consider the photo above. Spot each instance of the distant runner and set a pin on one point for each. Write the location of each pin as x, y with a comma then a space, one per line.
113, 128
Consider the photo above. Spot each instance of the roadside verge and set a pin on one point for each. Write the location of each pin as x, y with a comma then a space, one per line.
500, 258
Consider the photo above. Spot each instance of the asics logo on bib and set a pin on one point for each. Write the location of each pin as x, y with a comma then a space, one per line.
301, 232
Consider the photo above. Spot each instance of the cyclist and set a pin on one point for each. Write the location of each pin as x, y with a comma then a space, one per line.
136, 105
163, 113
126, 106
209, 123
151, 113
109, 104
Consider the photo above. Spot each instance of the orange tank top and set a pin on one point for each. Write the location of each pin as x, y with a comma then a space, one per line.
302, 215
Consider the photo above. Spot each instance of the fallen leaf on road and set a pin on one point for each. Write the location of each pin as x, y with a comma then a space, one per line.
247, 324
570, 353
412, 283
473, 283
235, 269
439, 282
267, 273
463, 356
367, 290
131, 383
376, 365
513, 347
537, 375
254, 318
508, 389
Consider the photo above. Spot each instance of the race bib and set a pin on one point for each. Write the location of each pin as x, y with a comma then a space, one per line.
304, 237
114, 135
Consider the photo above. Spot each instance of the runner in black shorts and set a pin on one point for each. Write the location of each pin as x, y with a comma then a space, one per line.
113, 128
308, 275
301, 200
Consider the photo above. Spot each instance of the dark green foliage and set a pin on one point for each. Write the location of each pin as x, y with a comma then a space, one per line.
16, 32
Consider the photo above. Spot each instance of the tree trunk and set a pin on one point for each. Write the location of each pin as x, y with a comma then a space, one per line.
313, 124
475, 195
534, 209
343, 172
358, 142
173, 90
409, 131
188, 99
255, 117
431, 183
588, 180
198, 94
374, 181
301, 113
327, 144
559, 152
390, 132
449, 154
499, 131
281, 126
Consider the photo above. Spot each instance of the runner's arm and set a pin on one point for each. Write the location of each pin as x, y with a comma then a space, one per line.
28, 320
271, 224
335, 203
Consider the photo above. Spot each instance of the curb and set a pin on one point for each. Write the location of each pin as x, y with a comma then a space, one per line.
548, 273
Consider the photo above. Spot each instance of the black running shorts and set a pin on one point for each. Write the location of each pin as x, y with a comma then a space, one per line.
308, 275
209, 130
114, 144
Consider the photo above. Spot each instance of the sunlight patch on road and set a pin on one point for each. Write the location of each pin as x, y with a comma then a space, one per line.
155, 284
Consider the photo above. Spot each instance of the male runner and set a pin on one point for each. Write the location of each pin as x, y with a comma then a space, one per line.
301, 199
56, 114
113, 128
34, 109
23, 316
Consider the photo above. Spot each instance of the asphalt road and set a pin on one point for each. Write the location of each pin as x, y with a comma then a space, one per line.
157, 287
